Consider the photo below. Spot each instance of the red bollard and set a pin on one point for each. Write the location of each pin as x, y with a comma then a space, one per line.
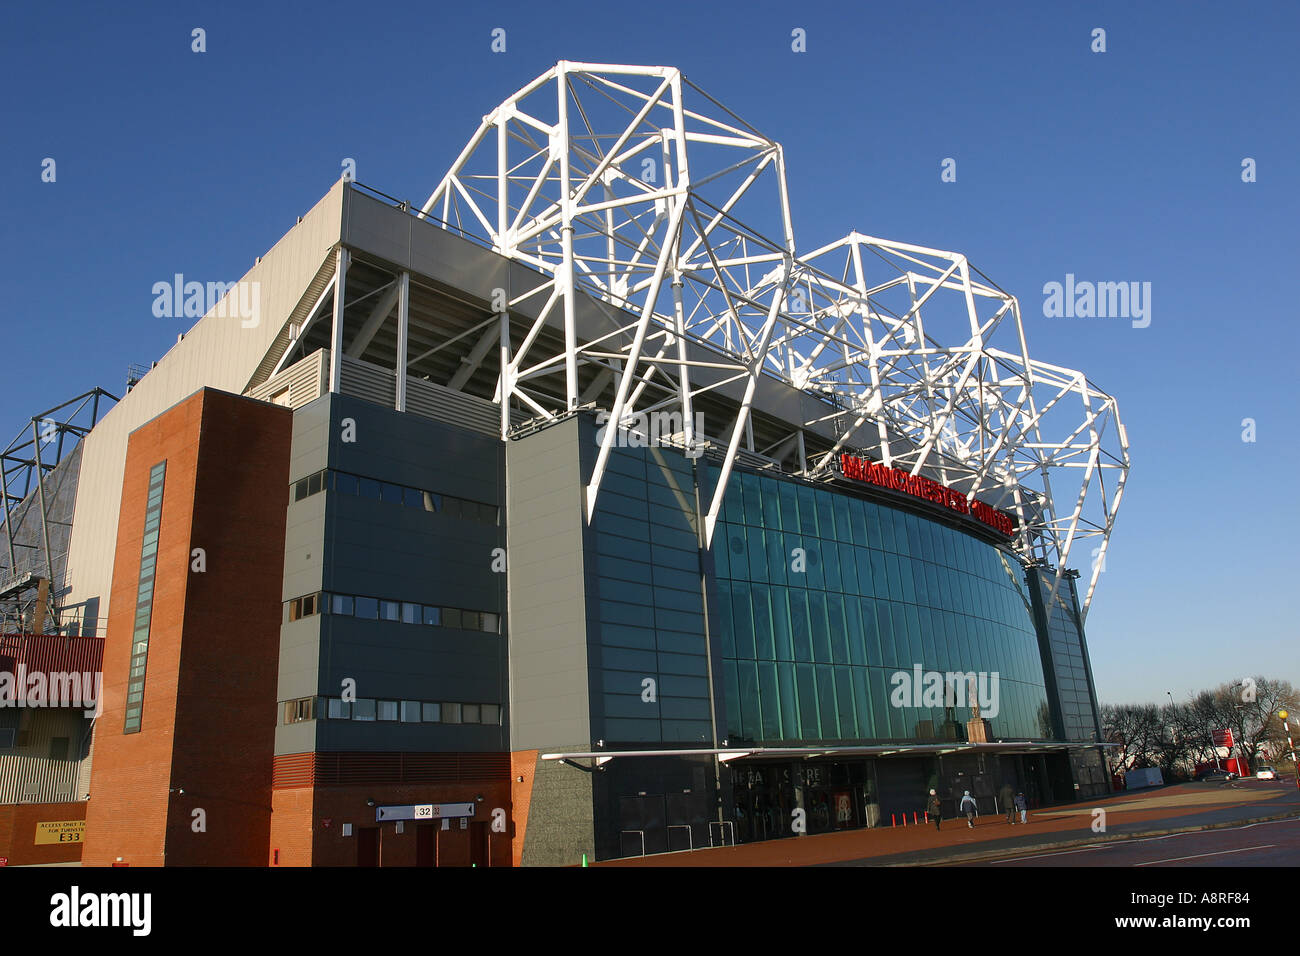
913, 816
927, 816
893, 820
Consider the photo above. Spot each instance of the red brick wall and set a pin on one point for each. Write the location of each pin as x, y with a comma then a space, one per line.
18, 832
340, 805
226, 491
131, 773
523, 763
292, 824
231, 652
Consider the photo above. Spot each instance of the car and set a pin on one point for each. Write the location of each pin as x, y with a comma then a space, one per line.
1221, 776
1265, 773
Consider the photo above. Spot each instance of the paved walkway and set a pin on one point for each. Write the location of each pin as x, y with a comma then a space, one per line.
1185, 806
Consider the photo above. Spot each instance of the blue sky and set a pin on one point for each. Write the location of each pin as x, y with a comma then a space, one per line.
1115, 166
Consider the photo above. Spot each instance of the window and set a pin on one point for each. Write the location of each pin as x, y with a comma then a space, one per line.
340, 709
381, 609
299, 710
144, 596
387, 709
311, 485
469, 713
491, 714
432, 713
393, 493
304, 607
410, 711
451, 713
363, 710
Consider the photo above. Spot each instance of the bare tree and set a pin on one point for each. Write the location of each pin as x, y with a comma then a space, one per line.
1136, 729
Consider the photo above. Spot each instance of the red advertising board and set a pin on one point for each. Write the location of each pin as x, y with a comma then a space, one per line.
1223, 738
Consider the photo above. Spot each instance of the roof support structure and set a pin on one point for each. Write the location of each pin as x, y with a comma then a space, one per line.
631, 188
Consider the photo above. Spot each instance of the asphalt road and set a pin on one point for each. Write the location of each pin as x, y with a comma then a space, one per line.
1274, 843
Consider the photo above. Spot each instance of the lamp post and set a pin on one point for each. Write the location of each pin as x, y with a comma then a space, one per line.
1290, 745
1173, 729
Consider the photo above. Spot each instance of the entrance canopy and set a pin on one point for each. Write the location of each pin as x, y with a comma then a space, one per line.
726, 755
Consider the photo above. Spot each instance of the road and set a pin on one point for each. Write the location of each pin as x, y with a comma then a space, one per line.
1274, 843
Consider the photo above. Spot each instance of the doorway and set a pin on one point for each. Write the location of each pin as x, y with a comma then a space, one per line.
368, 846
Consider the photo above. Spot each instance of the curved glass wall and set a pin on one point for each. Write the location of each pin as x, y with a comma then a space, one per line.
824, 598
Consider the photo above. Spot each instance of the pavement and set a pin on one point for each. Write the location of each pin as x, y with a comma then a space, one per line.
1121, 817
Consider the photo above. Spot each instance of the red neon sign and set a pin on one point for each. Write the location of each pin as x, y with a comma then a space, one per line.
918, 486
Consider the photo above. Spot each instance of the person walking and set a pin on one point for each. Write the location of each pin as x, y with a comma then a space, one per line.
1006, 798
1022, 805
934, 809
968, 808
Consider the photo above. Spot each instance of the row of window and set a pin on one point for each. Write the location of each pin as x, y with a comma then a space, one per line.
395, 711
775, 505
348, 484
144, 599
404, 612
763, 556
773, 623
791, 703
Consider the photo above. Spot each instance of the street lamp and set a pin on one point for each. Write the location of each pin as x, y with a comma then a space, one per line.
1173, 729
1294, 766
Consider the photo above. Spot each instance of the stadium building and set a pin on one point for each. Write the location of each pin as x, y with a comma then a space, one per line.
576, 510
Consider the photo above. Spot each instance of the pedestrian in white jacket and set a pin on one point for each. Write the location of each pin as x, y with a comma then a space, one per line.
968, 808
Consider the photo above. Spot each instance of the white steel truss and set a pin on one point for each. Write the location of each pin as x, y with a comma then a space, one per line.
630, 187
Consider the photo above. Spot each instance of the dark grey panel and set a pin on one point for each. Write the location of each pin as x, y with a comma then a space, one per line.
353, 545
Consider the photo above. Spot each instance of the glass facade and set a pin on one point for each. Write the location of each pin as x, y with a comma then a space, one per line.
654, 682
824, 598
1069, 667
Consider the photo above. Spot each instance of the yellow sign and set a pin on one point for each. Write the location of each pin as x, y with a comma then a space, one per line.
64, 831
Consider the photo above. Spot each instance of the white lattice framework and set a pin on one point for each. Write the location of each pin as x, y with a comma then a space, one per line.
630, 187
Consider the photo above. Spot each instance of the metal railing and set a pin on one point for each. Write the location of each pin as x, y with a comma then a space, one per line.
690, 834
724, 826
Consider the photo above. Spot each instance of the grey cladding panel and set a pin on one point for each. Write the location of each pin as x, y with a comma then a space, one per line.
548, 639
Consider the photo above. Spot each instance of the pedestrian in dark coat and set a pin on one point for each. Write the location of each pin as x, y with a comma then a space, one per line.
1007, 797
934, 809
